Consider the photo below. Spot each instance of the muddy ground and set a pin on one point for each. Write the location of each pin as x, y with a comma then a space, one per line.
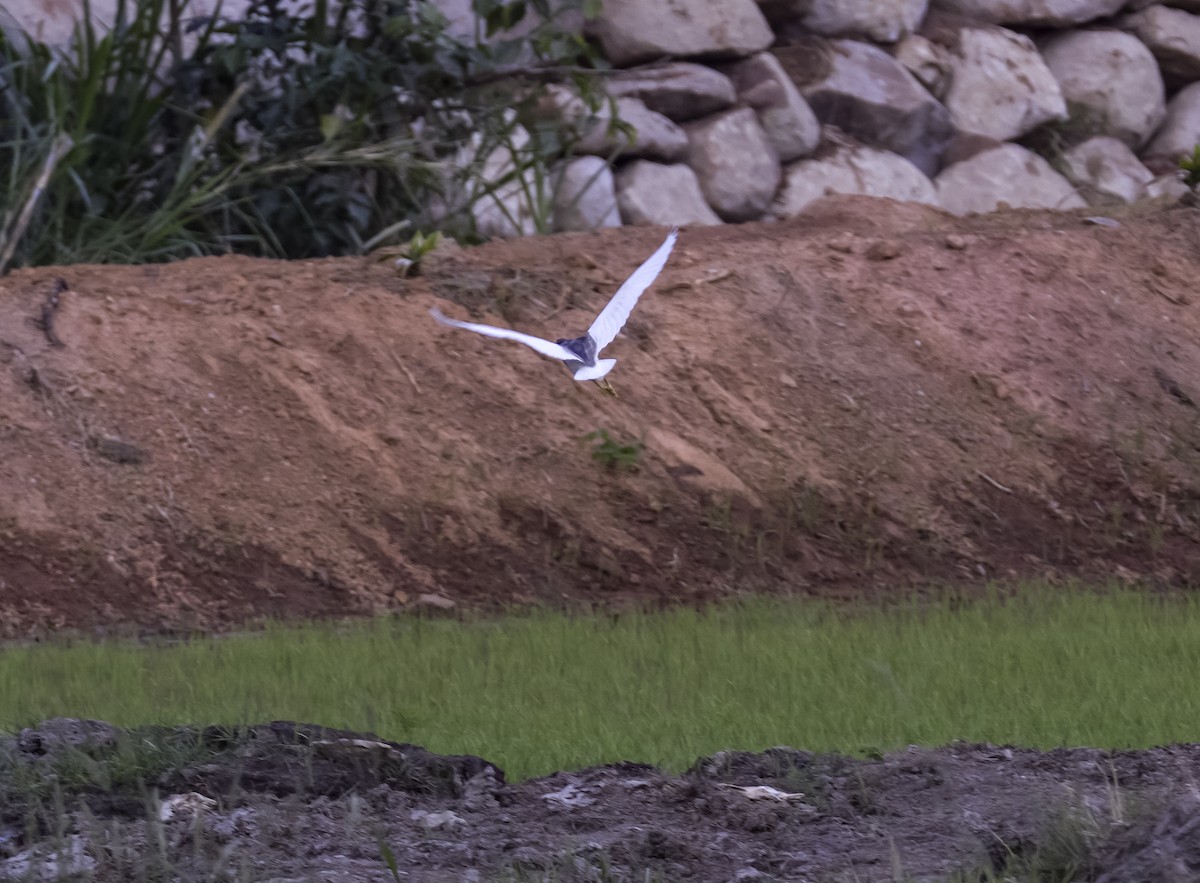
871, 399
288, 802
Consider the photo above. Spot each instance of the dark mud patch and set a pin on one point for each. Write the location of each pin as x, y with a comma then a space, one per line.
287, 801
1109, 515
197, 582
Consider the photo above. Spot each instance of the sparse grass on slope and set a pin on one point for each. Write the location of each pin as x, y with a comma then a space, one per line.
542, 692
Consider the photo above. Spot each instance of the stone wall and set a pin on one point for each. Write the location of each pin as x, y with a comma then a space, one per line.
750, 110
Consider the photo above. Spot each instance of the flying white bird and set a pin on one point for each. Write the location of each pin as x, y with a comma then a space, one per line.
579, 353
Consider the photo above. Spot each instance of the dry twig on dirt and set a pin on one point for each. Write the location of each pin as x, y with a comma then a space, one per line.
997, 485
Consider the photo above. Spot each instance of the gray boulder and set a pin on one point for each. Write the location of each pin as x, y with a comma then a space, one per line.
735, 162
585, 197
678, 90
653, 193
654, 135
999, 86
1181, 131
883, 21
865, 92
1105, 169
1037, 13
851, 170
1005, 176
1111, 83
789, 122
1173, 37
632, 31
926, 61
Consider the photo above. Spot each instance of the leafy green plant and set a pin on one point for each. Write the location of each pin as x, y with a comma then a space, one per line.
408, 257
613, 454
290, 131
1191, 167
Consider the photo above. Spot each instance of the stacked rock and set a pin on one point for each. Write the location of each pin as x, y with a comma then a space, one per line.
751, 110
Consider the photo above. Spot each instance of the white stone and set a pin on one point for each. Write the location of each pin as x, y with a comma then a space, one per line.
1173, 36
1168, 189
429, 820
632, 31
1111, 83
653, 193
586, 197
189, 804
735, 162
785, 116
1008, 175
1107, 166
1181, 131
884, 21
852, 170
678, 90
1041, 13
865, 92
999, 85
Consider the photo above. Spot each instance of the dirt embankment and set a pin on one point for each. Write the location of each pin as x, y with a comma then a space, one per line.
872, 397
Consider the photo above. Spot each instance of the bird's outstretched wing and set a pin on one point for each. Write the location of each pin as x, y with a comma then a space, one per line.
545, 347
612, 318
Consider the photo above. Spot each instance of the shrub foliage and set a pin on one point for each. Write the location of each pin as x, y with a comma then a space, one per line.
294, 130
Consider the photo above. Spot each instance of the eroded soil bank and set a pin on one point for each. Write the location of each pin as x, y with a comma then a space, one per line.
867, 399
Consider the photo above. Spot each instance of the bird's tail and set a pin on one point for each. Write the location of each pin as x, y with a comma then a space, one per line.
595, 372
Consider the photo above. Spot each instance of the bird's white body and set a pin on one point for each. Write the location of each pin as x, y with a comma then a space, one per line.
580, 353
592, 372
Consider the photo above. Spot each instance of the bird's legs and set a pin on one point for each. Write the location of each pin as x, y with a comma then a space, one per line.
606, 386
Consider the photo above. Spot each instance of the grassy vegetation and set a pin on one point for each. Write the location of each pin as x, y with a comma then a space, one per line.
290, 131
542, 692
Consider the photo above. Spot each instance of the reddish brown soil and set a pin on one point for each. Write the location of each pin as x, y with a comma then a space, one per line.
872, 398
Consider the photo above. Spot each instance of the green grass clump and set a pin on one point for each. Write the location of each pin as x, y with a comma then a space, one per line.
541, 692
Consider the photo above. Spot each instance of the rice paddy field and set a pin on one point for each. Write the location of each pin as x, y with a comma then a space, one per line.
544, 692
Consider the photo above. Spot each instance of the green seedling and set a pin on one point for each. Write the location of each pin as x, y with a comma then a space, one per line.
615, 455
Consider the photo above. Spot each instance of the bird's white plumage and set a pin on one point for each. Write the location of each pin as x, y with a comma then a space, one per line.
606, 326
545, 347
594, 372
612, 318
